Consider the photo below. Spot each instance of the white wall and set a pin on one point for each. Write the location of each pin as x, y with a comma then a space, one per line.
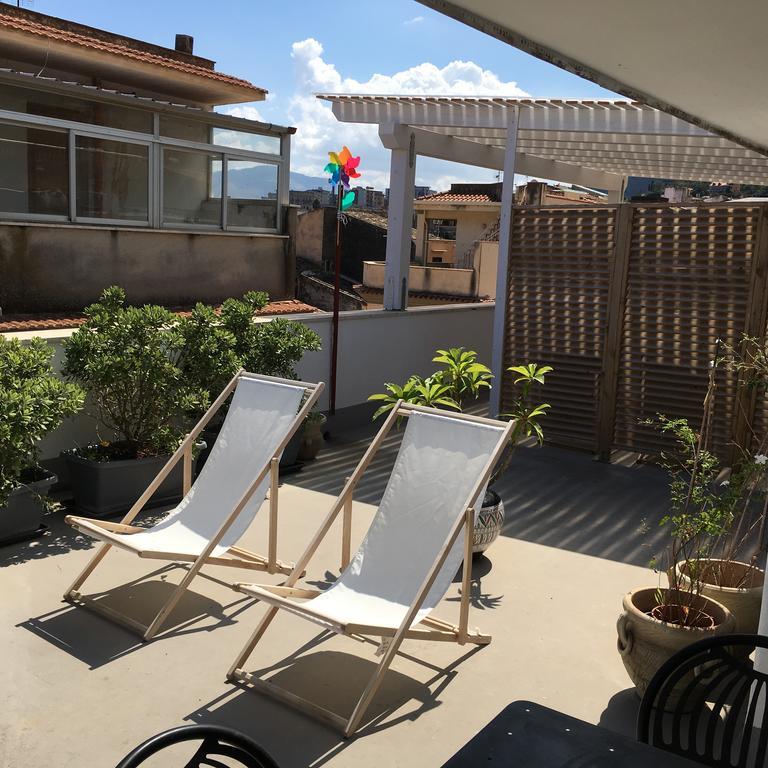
375, 347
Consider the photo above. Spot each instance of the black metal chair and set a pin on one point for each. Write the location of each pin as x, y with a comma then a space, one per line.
217, 742
709, 704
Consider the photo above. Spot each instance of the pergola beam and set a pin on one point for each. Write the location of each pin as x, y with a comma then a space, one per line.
547, 115
446, 147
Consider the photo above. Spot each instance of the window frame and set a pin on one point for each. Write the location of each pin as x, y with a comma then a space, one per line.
156, 143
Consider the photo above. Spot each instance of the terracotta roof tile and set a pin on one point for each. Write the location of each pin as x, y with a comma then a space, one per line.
60, 320
453, 197
49, 32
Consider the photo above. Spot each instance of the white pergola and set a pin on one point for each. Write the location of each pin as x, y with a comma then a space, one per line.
592, 143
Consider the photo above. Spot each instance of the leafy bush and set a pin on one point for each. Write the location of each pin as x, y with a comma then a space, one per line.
462, 377
33, 402
127, 359
217, 345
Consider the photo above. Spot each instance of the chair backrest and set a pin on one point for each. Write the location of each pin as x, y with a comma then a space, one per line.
217, 742
708, 703
440, 461
261, 414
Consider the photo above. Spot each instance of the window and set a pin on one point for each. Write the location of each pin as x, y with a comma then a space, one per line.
251, 194
441, 229
34, 173
112, 179
253, 142
191, 187
188, 130
30, 101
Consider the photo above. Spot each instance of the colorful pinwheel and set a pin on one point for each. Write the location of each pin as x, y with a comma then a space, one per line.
343, 167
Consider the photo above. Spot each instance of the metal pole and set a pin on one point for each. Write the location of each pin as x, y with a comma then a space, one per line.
336, 297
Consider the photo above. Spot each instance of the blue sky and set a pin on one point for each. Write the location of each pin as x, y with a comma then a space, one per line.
297, 47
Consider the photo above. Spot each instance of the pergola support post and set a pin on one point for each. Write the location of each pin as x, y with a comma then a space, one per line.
502, 268
402, 177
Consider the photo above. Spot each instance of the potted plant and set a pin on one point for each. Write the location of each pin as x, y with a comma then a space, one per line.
33, 402
730, 573
216, 344
461, 379
658, 621
126, 359
312, 436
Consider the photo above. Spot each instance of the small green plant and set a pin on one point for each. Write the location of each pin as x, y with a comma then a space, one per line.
127, 359
33, 402
524, 412
463, 378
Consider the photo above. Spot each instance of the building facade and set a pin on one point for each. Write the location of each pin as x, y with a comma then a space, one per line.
114, 167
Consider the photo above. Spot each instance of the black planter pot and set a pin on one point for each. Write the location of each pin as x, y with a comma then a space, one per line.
104, 488
22, 517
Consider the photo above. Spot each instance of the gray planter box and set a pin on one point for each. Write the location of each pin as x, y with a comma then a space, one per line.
22, 517
103, 488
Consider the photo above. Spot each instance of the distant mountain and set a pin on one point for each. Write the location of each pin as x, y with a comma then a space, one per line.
260, 180
302, 182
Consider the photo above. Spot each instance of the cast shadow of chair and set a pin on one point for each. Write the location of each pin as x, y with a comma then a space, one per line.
335, 681
96, 641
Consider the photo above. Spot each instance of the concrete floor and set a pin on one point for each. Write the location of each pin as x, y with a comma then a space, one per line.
79, 691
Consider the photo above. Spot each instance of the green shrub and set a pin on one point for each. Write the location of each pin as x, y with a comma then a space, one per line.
33, 402
216, 346
127, 359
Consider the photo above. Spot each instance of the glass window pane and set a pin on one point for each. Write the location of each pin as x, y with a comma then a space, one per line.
251, 194
30, 101
191, 187
189, 130
253, 142
112, 179
34, 173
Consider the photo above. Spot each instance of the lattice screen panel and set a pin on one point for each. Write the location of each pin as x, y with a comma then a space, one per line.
559, 270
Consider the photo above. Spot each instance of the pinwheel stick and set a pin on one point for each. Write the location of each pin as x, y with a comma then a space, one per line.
336, 298
342, 166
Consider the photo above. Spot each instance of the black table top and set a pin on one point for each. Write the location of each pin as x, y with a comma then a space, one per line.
528, 735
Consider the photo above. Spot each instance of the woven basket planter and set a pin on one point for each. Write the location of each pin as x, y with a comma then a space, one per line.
488, 522
645, 642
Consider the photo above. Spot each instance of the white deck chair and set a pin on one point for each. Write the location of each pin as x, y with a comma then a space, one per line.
217, 510
409, 556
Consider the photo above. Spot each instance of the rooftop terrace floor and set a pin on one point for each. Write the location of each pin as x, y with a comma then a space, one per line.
82, 691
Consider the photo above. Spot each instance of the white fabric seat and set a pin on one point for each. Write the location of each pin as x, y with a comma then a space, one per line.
259, 416
439, 462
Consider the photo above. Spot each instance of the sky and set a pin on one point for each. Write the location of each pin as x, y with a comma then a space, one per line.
297, 48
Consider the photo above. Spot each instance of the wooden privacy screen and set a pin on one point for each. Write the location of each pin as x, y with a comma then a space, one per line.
626, 302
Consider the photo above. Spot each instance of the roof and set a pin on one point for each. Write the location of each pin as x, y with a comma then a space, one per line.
703, 61
89, 39
28, 79
452, 197
61, 320
592, 143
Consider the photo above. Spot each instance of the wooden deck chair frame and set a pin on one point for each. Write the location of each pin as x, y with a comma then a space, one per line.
429, 628
238, 557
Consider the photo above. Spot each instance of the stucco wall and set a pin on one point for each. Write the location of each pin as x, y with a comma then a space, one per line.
49, 268
446, 280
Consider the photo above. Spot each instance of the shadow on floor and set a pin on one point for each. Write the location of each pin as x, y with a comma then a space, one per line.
334, 681
620, 714
96, 641
553, 496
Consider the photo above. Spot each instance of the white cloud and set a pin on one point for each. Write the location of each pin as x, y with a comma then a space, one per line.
318, 130
414, 20
246, 111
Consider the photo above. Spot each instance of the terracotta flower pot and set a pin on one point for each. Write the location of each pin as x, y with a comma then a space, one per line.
312, 439
645, 642
743, 601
